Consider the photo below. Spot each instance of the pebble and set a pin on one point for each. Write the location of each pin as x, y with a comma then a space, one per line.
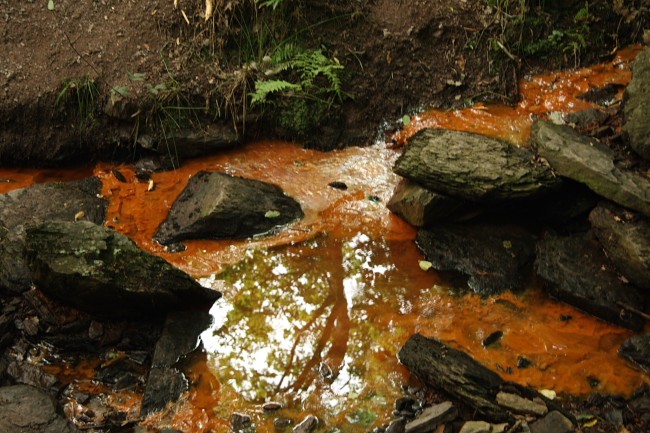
239, 421
476, 427
521, 405
554, 422
306, 425
431, 417
272, 405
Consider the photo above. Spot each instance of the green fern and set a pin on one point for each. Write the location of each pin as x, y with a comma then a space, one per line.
264, 88
311, 64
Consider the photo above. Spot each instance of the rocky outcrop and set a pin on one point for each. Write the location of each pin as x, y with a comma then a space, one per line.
58, 201
473, 167
625, 236
103, 272
25, 409
581, 159
576, 271
220, 206
637, 106
495, 257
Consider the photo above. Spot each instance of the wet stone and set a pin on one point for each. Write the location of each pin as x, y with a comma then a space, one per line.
25, 409
397, 426
521, 405
272, 405
307, 425
240, 421
493, 338
636, 107
30, 374
554, 422
431, 417
476, 427
637, 350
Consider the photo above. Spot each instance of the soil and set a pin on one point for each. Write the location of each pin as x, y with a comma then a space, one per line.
399, 57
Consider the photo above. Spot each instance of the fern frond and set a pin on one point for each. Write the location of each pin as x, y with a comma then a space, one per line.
264, 88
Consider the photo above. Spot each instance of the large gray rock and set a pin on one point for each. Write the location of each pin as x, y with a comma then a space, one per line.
58, 201
220, 206
473, 167
637, 350
625, 236
495, 257
637, 106
581, 159
103, 272
25, 409
576, 271
421, 207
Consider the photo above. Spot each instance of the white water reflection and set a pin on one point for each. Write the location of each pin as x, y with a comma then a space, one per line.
302, 324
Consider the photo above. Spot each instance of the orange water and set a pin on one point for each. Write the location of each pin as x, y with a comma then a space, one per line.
313, 317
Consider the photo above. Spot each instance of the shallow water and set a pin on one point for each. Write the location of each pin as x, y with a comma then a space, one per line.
314, 315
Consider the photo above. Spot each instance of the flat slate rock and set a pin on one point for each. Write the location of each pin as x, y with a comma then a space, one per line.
553, 422
100, 271
473, 167
55, 201
636, 109
637, 350
431, 417
625, 236
495, 257
220, 206
576, 271
25, 409
579, 158
421, 207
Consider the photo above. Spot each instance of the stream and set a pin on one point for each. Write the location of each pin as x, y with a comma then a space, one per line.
312, 316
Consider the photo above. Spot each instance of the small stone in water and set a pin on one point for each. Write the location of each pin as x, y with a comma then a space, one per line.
118, 175
492, 338
272, 405
425, 265
239, 421
523, 362
338, 185
306, 425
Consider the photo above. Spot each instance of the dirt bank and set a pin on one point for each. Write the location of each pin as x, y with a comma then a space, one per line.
103, 79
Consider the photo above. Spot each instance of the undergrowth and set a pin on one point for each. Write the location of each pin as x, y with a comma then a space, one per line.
79, 97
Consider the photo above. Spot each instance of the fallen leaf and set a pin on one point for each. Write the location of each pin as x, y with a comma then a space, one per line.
50, 5
425, 265
151, 185
79, 215
272, 214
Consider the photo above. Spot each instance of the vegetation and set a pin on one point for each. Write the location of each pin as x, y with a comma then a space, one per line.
80, 96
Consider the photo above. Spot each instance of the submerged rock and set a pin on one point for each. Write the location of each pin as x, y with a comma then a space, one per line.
421, 207
495, 257
636, 107
57, 201
581, 159
220, 206
637, 350
576, 271
554, 422
625, 236
473, 167
25, 409
103, 272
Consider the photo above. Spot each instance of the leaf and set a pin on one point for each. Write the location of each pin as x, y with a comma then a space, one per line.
135, 76
50, 5
591, 423
548, 393
425, 265
406, 120
272, 214
264, 88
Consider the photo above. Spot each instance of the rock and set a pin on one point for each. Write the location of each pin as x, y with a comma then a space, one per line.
397, 426
476, 427
521, 405
579, 158
307, 425
24, 409
148, 165
455, 372
190, 143
495, 257
103, 272
421, 207
636, 109
431, 417
239, 421
586, 119
58, 201
272, 405
179, 338
605, 95
625, 237
473, 167
220, 206
554, 422
637, 350
576, 271
164, 385
30, 374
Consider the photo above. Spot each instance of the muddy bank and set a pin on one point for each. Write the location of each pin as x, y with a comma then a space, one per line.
115, 81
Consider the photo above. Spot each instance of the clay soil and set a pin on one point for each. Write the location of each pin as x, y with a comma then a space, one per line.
399, 57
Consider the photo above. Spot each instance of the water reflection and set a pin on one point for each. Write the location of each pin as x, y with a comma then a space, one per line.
310, 324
